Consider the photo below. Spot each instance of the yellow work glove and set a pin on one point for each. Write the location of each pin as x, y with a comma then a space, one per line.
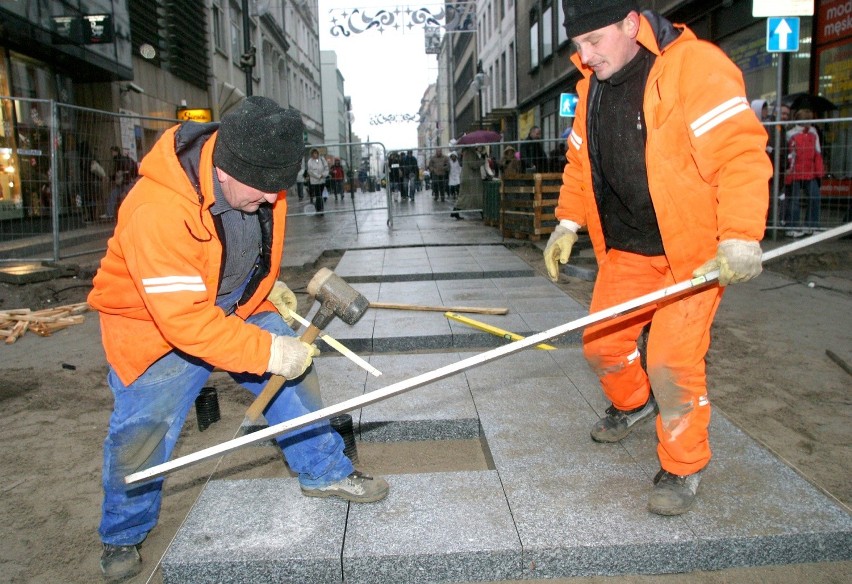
737, 261
285, 301
558, 250
289, 357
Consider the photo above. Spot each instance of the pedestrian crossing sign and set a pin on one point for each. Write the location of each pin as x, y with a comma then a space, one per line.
567, 104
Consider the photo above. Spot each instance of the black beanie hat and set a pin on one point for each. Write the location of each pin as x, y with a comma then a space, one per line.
260, 144
582, 16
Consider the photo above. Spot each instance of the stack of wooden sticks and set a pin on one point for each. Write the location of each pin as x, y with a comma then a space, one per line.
14, 323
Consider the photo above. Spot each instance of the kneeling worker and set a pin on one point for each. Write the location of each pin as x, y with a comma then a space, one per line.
188, 283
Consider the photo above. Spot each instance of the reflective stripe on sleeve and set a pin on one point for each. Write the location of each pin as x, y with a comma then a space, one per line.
575, 140
173, 284
718, 115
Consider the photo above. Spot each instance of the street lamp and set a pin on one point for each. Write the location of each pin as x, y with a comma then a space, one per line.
480, 80
350, 117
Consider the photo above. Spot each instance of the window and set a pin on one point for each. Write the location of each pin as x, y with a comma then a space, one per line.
503, 79
547, 32
491, 94
561, 35
236, 35
510, 68
533, 41
218, 33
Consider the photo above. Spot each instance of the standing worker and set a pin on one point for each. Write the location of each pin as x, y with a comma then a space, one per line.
188, 283
668, 171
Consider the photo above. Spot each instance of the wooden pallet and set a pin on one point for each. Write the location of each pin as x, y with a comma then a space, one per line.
528, 205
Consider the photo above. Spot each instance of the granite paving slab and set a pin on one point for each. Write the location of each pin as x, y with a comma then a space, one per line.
437, 527
580, 506
259, 531
440, 262
442, 410
390, 330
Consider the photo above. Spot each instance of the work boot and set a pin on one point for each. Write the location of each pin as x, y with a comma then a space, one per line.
619, 423
673, 494
120, 562
357, 487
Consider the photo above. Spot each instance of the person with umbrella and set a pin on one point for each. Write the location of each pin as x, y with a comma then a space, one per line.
472, 188
804, 170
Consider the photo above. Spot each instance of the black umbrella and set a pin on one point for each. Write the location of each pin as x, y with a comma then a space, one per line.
479, 137
815, 103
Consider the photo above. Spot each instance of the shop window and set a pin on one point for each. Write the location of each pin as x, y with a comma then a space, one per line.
747, 48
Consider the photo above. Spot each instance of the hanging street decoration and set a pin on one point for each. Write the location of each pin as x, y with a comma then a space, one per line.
457, 17
379, 119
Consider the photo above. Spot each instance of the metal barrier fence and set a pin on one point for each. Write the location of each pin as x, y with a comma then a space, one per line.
57, 176
800, 207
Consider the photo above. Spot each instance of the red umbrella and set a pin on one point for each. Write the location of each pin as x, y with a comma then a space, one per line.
479, 137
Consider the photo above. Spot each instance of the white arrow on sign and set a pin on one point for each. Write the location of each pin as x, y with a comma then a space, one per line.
783, 31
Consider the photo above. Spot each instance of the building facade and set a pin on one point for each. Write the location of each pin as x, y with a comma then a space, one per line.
333, 104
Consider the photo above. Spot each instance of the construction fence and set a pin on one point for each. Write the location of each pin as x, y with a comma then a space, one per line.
59, 180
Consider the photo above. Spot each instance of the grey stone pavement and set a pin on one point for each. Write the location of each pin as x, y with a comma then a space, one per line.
553, 505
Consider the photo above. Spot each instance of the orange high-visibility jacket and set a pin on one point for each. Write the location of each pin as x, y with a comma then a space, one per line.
156, 287
705, 151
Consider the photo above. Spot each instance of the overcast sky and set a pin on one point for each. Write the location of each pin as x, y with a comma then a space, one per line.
386, 73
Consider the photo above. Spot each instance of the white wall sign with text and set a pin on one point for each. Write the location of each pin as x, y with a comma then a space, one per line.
762, 8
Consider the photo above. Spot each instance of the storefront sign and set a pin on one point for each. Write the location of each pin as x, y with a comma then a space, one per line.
203, 115
97, 29
89, 29
68, 28
836, 188
782, 8
835, 20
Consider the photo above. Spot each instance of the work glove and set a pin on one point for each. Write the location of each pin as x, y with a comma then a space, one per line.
285, 301
289, 357
558, 248
737, 261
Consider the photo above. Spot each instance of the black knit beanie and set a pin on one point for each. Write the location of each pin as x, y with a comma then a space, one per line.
583, 16
260, 144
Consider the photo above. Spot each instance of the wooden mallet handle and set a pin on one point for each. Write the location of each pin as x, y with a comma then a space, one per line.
273, 386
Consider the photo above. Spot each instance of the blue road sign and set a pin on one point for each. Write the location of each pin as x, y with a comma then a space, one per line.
782, 34
567, 104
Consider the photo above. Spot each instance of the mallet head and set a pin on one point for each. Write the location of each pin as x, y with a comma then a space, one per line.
337, 299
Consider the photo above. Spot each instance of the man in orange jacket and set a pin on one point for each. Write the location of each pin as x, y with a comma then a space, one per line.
667, 169
189, 283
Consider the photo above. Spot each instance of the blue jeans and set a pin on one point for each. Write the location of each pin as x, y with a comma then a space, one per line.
147, 418
799, 189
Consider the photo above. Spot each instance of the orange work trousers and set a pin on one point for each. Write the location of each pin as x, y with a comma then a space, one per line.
678, 340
